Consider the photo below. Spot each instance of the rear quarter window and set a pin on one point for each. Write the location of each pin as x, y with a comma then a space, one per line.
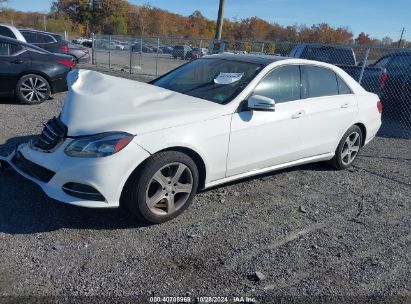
343, 88
4, 31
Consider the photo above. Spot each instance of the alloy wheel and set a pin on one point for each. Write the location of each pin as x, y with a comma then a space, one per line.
351, 147
169, 188
34, 89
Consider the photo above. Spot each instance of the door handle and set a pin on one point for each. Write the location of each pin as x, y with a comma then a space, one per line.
17, 61
345, 105
298, 114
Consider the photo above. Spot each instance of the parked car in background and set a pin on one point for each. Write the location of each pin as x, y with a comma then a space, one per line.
115, 46
155, 48
79, 53
30, 73
138, 48
395, 83
338, 55
78, 40
241, 115
343, 57
166, 49
198, 52
87, 43
182, 51
51, 42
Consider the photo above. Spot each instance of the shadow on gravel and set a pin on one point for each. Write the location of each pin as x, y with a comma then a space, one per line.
14, 100
9, 100
27, 210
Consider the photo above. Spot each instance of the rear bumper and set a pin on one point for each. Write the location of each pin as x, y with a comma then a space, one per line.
54, 171
59, 84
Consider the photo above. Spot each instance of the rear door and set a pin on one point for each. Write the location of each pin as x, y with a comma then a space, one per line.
329, 106
14, 60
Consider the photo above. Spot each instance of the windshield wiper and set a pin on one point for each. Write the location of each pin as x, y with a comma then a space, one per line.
199, 87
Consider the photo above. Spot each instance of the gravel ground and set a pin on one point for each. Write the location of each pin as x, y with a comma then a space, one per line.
304, 234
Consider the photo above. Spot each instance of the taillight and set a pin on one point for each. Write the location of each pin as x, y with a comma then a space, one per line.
379, 106
383, 78
69, 64
64, 48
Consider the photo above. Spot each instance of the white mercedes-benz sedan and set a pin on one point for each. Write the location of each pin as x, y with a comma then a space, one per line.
220, 118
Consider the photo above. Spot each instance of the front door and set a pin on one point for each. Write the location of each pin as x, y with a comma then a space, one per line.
261, 139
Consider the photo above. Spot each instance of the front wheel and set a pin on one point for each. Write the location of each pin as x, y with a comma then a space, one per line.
163, 188
32, 89
348, 148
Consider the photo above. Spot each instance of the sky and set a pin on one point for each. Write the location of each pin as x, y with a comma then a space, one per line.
378, 18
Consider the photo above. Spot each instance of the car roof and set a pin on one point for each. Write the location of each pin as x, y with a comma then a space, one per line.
37, 31
250, 58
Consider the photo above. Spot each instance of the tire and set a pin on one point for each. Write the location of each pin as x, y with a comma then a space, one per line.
348, 148
156, 198
32, 89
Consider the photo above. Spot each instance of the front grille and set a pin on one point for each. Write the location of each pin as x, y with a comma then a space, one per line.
53, 134
32, 169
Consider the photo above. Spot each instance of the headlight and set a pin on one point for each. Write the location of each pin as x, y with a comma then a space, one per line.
99, 145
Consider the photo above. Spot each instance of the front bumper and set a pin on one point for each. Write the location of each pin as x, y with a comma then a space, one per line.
107, 175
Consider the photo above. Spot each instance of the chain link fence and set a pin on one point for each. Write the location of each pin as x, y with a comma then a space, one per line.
381, 70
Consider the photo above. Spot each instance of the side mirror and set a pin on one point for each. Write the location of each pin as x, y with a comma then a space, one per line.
261, 103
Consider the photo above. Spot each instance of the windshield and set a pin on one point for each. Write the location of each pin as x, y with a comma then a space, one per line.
217, 80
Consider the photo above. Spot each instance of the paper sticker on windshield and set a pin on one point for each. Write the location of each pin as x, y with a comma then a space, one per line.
228, 78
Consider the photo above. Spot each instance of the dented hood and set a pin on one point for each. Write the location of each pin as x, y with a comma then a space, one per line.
98, 103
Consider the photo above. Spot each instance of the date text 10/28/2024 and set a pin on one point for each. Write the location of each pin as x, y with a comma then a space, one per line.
203, 299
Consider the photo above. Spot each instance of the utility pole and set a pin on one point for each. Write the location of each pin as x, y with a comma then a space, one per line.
220, 20
45, 23
402, 34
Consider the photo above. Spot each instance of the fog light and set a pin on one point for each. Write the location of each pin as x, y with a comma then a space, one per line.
82, 191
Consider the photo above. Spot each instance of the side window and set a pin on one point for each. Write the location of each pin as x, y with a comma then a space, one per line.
319, 82
4, 31
44, 38
343, 88
299, 51
29, 36
401, 61
282, 84
8, 49
293, 52
382, 63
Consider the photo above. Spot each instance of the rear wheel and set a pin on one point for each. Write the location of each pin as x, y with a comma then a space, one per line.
163, 188
348, 148
32, 89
